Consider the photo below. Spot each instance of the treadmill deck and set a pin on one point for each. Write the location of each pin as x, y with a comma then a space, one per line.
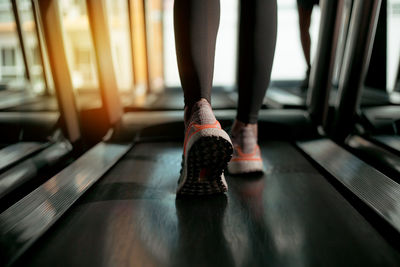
290, 216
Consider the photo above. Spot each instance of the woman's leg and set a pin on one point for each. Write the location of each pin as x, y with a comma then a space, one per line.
257, 39
196, 25
305, 11
304, 25
207, 148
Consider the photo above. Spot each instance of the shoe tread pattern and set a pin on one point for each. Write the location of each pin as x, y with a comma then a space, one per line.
213, 153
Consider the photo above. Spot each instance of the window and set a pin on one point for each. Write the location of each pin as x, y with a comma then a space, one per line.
118, 22
36, 56
289, 62
8, 57
12, 70
225, 54
79, 44
31, 43
82, 57
5, 11
393, 42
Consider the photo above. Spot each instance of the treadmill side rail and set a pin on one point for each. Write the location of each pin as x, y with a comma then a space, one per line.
375, 189
28, 219
390, 141
26, 170
18, 151
373, 153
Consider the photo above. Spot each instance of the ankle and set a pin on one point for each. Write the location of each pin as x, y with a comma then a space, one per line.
238, 126
190, 109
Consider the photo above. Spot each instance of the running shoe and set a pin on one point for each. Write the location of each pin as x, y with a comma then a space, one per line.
207, 150
247, 155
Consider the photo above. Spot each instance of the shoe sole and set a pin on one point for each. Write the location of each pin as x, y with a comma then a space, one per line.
245, 167
208, 154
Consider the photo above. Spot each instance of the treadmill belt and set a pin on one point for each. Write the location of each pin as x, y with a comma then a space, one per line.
172, 99
291, 216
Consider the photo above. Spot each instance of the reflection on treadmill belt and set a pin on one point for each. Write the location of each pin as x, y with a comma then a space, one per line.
287, 217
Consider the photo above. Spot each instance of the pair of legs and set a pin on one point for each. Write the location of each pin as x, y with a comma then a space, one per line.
207, 147
305, 8
196, 26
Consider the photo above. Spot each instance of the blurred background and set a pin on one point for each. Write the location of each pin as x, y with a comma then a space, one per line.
134, 79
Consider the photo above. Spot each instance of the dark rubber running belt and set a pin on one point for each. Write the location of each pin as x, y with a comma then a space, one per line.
291, 216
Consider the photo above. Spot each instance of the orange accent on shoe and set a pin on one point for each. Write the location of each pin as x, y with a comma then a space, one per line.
199, 127
204, 174
246, 156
